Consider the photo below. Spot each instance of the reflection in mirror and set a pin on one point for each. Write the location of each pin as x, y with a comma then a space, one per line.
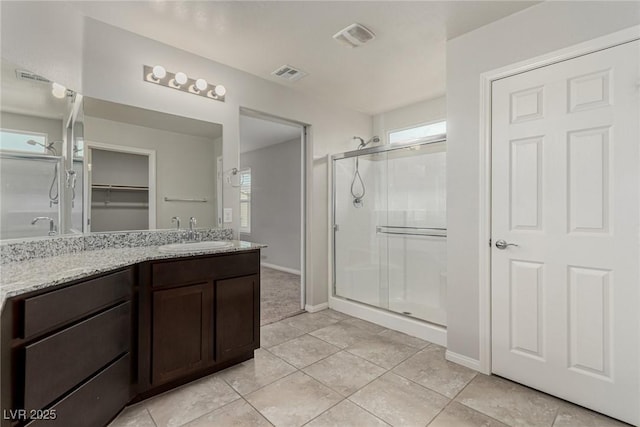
33, 116
143, 168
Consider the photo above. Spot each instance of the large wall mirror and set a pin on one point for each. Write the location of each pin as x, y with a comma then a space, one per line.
70, 164
144, 168
34, 115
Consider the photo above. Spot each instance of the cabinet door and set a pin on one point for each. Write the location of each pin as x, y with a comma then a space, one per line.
181, 331
237, 316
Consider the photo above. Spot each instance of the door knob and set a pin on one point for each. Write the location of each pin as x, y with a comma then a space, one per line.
502, 244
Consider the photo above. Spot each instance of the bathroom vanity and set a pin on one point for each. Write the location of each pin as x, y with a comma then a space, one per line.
74, 354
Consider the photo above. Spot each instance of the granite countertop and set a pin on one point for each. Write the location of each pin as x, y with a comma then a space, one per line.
17, 278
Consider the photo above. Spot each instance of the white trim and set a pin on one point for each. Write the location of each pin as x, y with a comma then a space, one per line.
484, 183
306, 187
219, 189
462, 360
316, 308
280, 268
416, 328
88, 145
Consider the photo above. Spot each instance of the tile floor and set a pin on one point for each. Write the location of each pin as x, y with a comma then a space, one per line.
328, 369
279, 295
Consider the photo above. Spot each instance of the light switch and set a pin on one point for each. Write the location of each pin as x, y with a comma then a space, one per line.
228, 215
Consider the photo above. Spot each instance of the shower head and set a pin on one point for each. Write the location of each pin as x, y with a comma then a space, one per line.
48, 147
363, 144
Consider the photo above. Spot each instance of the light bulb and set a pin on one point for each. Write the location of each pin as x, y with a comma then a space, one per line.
220, 90
201, 84
159, 72
180, 78
58, 90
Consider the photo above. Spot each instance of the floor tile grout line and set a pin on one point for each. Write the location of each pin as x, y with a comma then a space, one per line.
365, 409
257, 410
326, 410
213, 410
474, 409
151, 416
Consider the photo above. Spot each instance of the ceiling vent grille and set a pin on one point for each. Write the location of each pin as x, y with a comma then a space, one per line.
287, 72
31, 77
354, 35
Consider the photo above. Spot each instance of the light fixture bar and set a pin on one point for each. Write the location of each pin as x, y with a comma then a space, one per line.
193, 86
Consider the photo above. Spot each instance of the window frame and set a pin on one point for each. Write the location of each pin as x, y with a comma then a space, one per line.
424, 124
43, 150
245, 229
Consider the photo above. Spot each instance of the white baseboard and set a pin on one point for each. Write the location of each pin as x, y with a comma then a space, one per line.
316, 308
280, 268
463, 360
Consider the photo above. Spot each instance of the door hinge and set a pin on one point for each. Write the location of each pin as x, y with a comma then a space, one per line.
490, 242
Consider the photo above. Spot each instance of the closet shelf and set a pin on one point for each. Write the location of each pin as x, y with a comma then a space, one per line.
119, 187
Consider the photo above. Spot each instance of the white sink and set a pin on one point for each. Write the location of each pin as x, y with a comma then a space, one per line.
195, 246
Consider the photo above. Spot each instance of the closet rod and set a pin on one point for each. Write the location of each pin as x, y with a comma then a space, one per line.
178, 199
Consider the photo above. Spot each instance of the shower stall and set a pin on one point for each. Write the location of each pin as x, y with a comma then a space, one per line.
30, 188
389, 231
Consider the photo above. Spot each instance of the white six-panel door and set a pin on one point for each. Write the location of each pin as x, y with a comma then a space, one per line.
565, 190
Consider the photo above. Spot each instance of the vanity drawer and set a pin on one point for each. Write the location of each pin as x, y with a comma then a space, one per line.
216, 267
94, 403
46, 311
58, 363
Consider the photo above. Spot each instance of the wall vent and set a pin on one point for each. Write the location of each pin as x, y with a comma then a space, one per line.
287, 72
29, 76
354, 35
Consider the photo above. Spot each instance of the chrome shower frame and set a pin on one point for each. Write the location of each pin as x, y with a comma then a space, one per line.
363, 152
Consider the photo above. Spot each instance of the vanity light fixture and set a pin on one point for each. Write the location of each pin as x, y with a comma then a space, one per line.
58, 90
159, 72
180, 81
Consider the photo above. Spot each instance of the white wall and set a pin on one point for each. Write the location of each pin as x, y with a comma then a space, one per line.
535, 31
275, 202
112, 61
431, 110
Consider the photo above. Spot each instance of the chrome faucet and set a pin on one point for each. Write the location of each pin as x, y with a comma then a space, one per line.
192, 234
176, 219
52, 226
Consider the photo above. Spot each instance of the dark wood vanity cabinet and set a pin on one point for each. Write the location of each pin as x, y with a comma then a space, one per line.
66, 353
197, 315
76, 354
181, 331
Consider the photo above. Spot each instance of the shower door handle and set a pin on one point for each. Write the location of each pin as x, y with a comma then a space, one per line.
502, 244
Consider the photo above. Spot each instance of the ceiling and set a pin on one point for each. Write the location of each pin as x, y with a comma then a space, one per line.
404, 64
151, 119
256, 133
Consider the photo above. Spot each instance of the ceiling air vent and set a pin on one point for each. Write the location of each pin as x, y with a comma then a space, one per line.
354, 35
288, 72
29, 76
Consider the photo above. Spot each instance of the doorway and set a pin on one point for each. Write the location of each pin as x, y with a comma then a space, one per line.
120, 190
271, 179
564, 221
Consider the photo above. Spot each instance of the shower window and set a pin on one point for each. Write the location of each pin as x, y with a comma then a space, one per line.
417, 132
16, 140
245, 200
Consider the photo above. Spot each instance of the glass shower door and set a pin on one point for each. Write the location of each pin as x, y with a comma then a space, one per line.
390, 244
29, 190
360, 253
416, 230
